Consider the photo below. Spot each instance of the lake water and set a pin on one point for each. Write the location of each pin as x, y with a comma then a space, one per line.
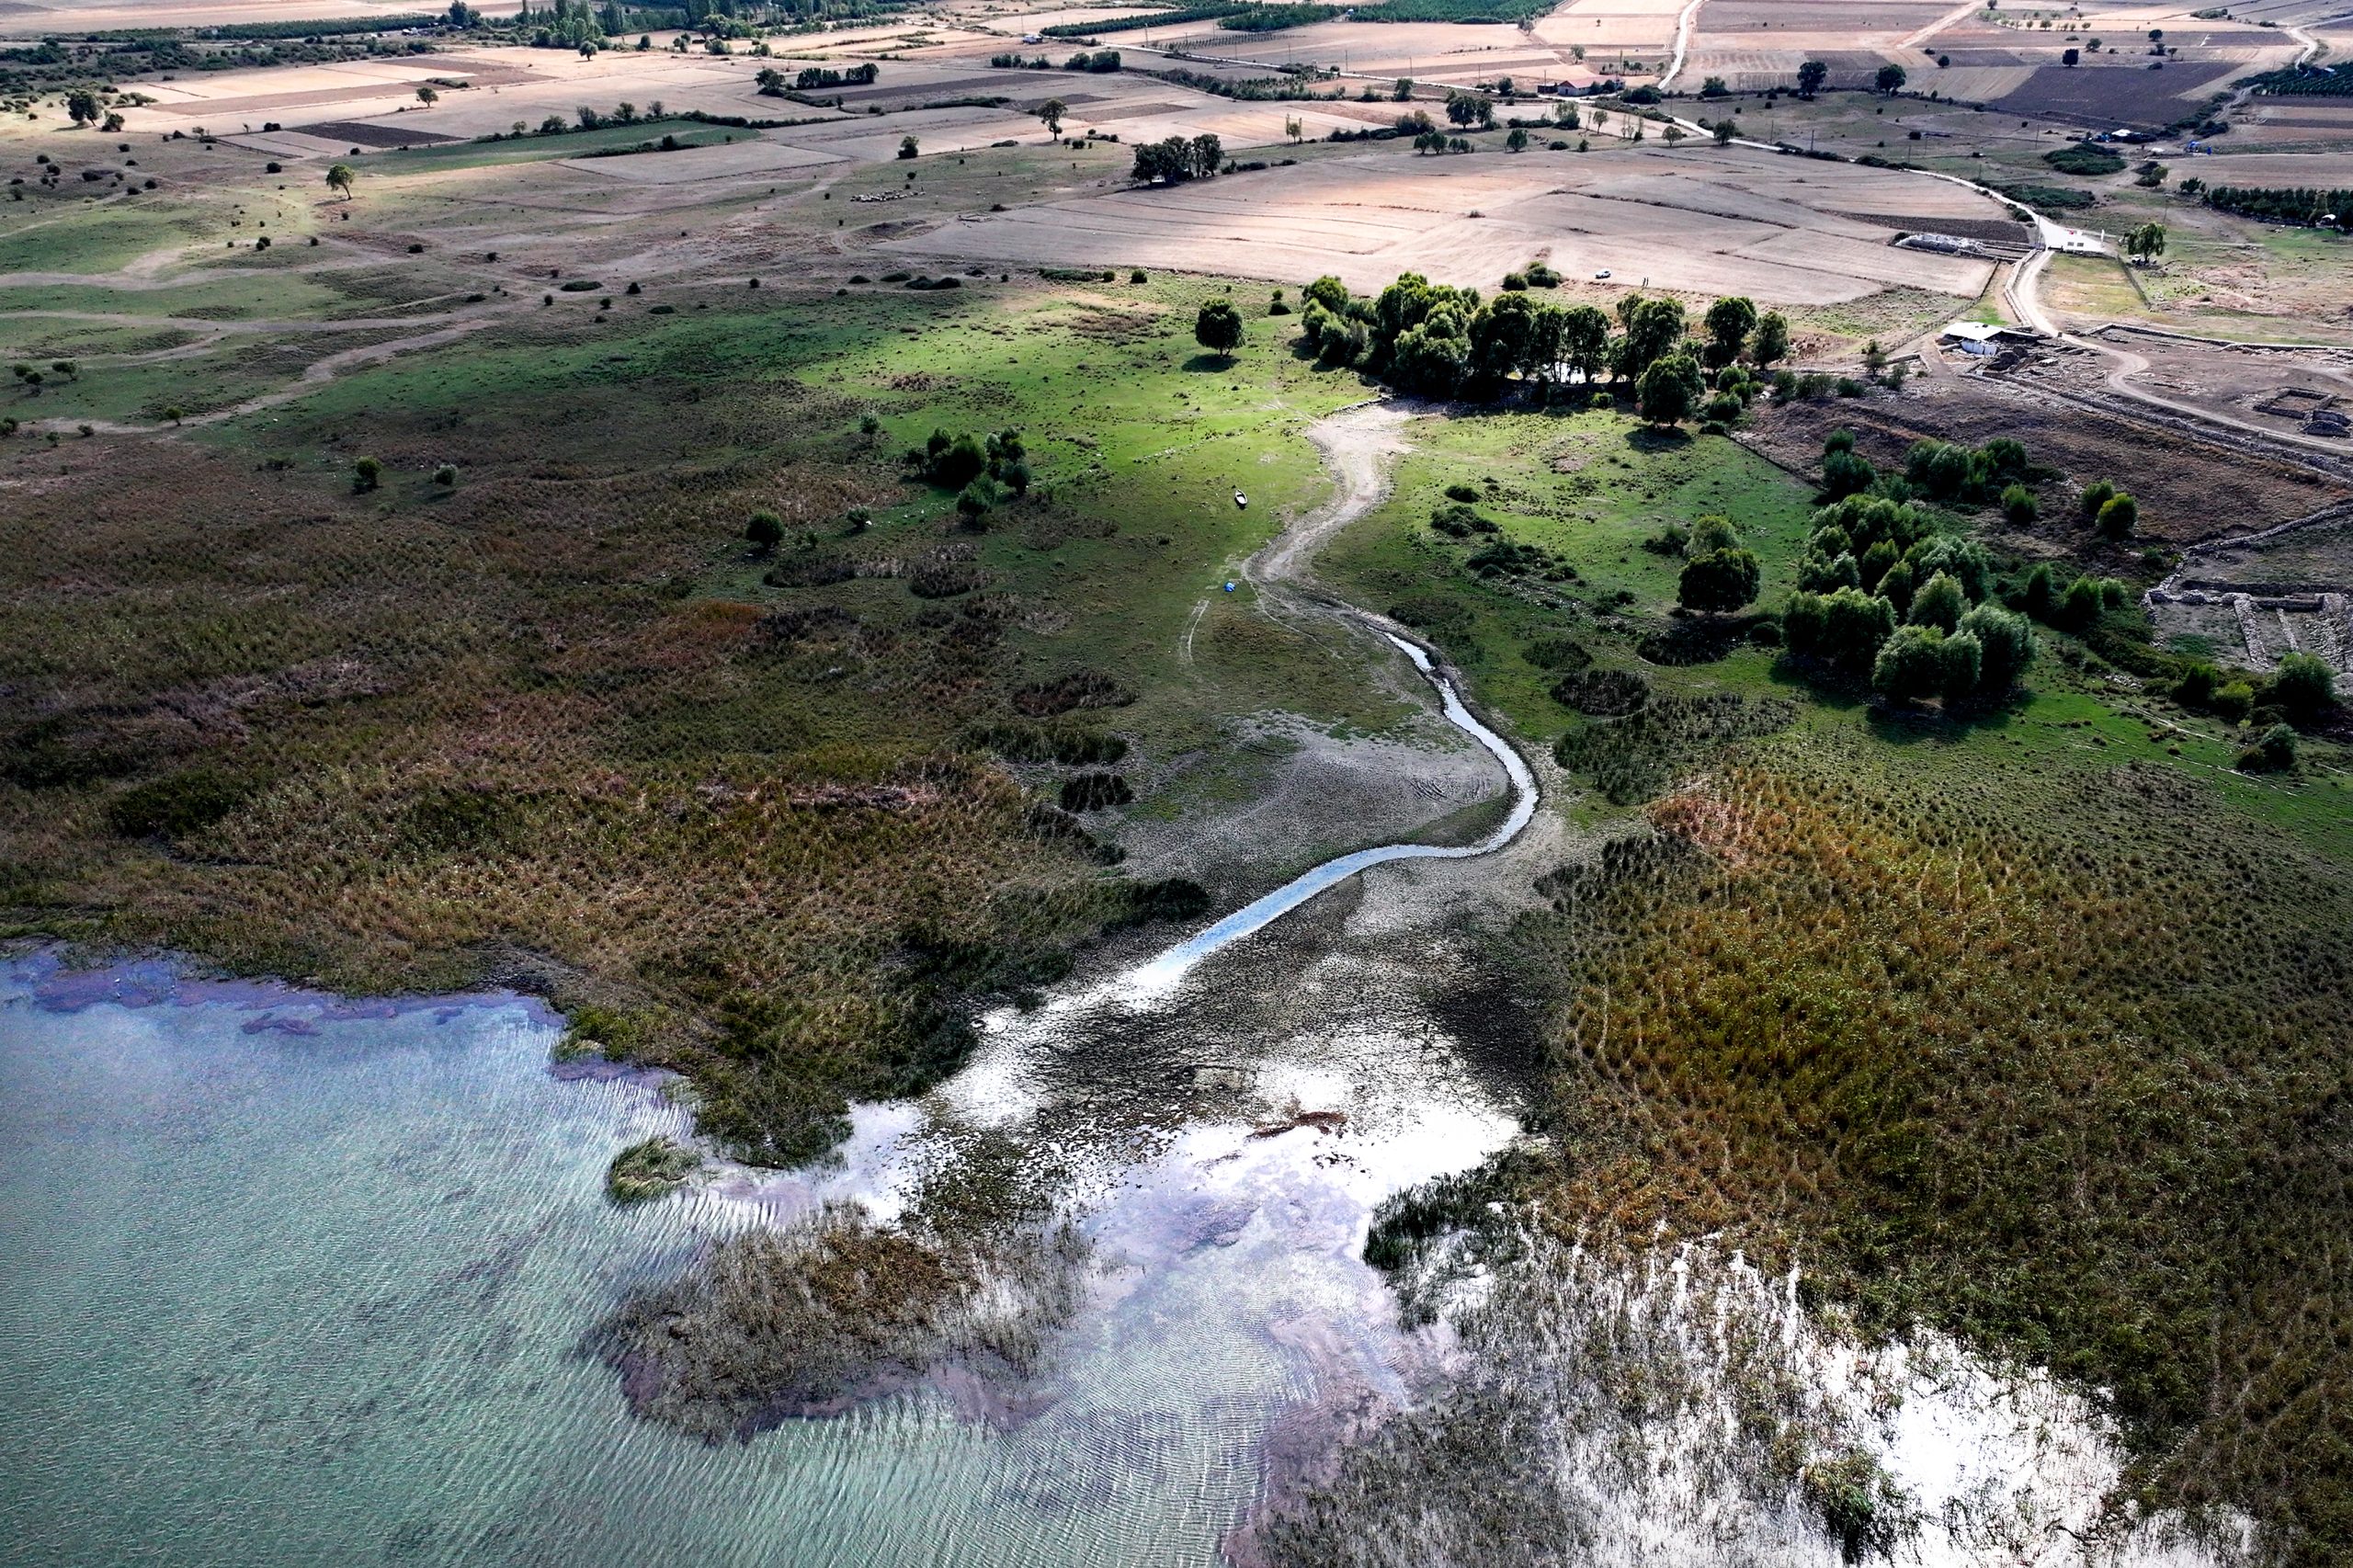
289, 1280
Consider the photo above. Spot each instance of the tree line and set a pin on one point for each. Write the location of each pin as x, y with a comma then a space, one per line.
1435, 340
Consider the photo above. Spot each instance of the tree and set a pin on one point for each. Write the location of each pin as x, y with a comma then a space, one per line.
2006, 645
1729, 321
1052, 112
1670, 389
2071, 58
1653, 329
765, 531
1810, 76
1724, 131
1911, 664
976, 501
1294, 129
2119, 515
1846, 473
908, 147
1772, 341
1890, 81
428, 96
1585, 340
1843, 627
82, 105
339, 178
367, 474
1718, 582
1518, 141
1470, 108
1219, 328
1939, 603
2146, 242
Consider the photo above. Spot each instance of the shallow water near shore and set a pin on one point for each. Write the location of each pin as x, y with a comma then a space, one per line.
288, 1280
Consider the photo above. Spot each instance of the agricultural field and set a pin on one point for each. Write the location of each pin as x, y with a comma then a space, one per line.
1156, 732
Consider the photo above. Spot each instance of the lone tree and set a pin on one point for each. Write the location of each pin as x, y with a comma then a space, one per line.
2146, 242
427, 96
908, 148
82, 105
339, 178
1052, 112
1890, 81
1219, 328
1810, 76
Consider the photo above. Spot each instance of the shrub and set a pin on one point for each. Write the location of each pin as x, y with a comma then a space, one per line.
2303, 687
2019, 504
2233, 702
1719, 581
2196, 686
2274, 753
2118, 515
367, 473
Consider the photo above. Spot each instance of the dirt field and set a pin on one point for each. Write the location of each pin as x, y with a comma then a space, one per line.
2120, 94
2329, 171
1702, 223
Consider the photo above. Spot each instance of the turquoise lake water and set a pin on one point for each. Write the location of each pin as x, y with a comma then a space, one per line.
288, 1281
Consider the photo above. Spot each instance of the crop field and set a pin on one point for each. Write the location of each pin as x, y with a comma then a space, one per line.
1701, 222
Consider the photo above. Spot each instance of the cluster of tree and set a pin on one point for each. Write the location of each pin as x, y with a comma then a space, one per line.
1102, 63
2306, 205
772, 84
1275, 18
982, 472
2075, 607
1943, 470
1879, 590
2089, 159
1145, 20
1178, 159
1441, 341
566, 24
